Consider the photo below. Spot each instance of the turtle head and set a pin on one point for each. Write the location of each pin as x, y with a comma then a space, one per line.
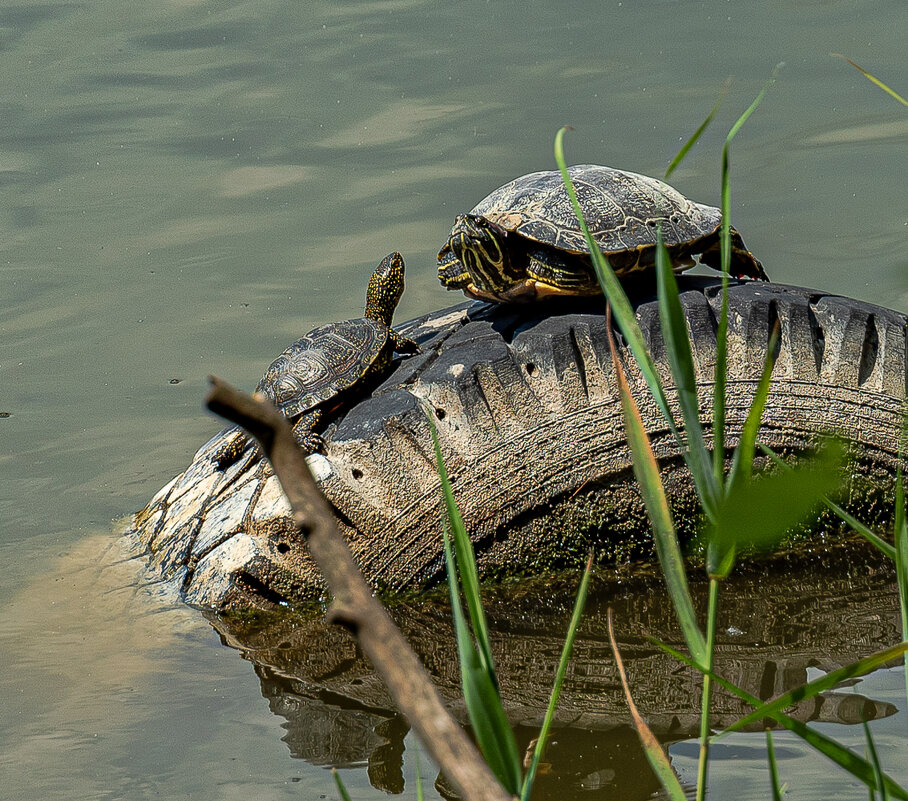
481, 247
385, 289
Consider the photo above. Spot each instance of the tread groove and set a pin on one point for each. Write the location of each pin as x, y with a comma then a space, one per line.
818, 335
580, 363
479, 371
774, 319
870, 349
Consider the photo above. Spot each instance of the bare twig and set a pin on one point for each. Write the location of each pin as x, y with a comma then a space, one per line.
353, 605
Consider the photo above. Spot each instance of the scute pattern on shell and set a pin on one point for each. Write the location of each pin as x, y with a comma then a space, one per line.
623, 210
324, 362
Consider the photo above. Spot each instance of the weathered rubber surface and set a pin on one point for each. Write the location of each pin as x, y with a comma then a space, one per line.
524, 400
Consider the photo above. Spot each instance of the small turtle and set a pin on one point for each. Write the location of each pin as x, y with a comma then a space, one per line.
523, 242
320, 371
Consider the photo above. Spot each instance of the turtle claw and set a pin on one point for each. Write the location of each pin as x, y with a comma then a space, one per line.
229, 452
403, 344
304, 431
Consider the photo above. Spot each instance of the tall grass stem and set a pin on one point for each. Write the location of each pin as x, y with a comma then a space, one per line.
706, 697
775, 785
539, 750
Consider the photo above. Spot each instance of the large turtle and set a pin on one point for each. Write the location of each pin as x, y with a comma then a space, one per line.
318, 372
523, 242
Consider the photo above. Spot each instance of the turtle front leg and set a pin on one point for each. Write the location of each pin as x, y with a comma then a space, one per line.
402, 344
304, 431
235, 444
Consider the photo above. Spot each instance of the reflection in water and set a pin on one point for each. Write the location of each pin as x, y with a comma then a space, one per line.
775, 624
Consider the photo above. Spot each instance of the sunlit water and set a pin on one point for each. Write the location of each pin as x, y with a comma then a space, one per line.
187, 187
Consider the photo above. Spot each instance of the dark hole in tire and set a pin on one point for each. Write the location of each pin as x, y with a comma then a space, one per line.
870, 350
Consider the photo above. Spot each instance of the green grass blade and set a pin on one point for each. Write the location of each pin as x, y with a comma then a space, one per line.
646, 469
677, 345
490, 724
857, 766
900, 533
480, 687
852, 521
706, 696
341, 789
651, 746
685, 149
773, 768
760, 512
819, 685
843, 757
901, 550
722, 333
614, 292
720, 379
419, 790
875, 761
873, 79
579, 604
722, 551
719, 383
466, 562
753, 106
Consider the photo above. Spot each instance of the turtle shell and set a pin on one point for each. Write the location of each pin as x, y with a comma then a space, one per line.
325, 362
622, 209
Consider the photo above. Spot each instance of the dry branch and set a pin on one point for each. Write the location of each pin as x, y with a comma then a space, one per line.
353, 604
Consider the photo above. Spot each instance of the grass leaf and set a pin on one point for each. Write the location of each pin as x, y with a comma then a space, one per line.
857, 766
467, 573
419, 790
773, 768
873, 79
742, 465
900, 532
722, 550
719, 383
480, 686
853, 522
341, 789
677, 345
875, 761
819, 685
758, 513
679, 157
617, 298
646, 469
651, 746
722, 333
490, 724
579, 604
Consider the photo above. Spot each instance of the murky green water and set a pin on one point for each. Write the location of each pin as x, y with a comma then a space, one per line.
185, 187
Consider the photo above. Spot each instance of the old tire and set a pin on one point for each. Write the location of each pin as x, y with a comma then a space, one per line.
524, 401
